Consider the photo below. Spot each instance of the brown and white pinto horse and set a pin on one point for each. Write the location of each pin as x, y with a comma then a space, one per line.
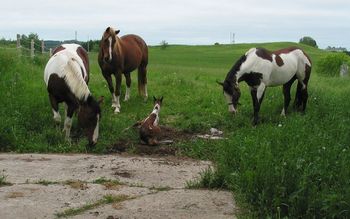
122, 55
66, 76
260, 68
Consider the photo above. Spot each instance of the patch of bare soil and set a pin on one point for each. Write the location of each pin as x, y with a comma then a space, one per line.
167, 133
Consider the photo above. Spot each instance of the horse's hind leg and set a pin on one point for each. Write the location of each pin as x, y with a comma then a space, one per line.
54, 105
298, 101
286, 94
304, 93
68, 121
128, 84
142, 81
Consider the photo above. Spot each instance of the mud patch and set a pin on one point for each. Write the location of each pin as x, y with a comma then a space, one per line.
136, 147
15, 195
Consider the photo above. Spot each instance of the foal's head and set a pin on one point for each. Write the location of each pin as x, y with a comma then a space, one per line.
232, 94
157, 103
107, 43
89, 115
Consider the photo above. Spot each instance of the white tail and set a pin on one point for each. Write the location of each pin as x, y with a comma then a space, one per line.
75, 80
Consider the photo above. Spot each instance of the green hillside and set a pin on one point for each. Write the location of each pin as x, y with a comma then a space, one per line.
296, 166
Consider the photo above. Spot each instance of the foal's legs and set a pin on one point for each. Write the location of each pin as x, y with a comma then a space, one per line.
118, 82
54, 105
286, 93
142, 80
128, 84
257, 97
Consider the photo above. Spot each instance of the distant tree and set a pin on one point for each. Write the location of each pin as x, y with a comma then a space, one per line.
26, 40
91, 45
308, 41
216, 44
164, 44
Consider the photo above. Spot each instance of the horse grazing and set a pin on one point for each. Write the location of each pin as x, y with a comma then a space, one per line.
66, 77
122, 55
148, 127
260, 68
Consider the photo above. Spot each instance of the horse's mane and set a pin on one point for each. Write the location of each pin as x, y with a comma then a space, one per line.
75, 80
235, 68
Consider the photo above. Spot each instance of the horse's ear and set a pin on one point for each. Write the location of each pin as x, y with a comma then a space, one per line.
154, 98
116, 32
161, 99
100, 100
220, 83
108, 28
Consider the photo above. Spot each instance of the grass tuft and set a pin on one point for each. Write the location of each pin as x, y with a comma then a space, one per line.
107, 199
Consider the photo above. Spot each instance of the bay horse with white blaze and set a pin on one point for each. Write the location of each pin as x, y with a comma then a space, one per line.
260, 68
66, 77
122, 55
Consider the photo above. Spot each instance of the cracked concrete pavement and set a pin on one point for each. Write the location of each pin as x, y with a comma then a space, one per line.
156, 187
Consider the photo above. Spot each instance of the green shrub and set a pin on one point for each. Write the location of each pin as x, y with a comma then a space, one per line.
308, 41
330, 64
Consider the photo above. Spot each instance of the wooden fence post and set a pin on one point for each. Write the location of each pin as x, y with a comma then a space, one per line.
32, 48
18, 41
19, 44
42, 47
50, 52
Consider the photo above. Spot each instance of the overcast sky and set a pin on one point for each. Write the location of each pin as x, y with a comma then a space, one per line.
182, 21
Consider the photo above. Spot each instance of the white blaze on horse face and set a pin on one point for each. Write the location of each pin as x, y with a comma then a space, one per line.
228, 98
110, 48
95, 135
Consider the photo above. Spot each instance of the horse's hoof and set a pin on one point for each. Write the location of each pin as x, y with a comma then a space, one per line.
126, 99
283, 113
117, 110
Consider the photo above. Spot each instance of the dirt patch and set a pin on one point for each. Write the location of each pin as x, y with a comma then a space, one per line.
77, 184
35, 159
136, 147
15, 195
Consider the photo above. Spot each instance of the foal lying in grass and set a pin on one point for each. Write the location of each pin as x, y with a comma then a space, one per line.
149, 129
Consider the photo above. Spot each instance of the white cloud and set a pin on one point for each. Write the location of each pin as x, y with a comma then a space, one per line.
182, 21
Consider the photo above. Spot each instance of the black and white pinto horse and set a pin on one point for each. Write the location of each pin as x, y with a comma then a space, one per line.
260, 68
66, 76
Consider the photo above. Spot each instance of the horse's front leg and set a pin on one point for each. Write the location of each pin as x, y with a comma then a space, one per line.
108, 78
257, 94
128, 85
116, 97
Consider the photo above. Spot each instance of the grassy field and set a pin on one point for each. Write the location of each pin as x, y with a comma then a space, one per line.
296, 166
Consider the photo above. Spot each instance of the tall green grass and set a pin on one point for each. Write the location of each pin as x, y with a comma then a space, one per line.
295, 166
